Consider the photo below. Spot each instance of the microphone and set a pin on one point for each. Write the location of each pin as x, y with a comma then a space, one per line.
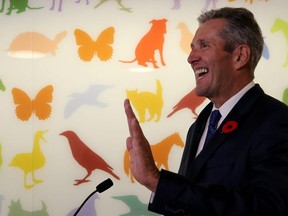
103, 186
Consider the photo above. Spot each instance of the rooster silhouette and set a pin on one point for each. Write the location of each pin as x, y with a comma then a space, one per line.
88, 159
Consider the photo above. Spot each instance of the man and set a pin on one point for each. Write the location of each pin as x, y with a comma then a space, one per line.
243, 168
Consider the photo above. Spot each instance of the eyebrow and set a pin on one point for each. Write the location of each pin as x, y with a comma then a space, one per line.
200, 41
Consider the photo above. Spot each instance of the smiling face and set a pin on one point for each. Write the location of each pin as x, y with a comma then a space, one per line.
217, 72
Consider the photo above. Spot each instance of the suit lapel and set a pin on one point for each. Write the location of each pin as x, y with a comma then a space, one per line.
240, 109
193, 139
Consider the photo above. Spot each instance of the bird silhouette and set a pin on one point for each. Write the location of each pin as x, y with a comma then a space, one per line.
137, 208
89, 97
84, 156
190, 101
186, 37
29, 162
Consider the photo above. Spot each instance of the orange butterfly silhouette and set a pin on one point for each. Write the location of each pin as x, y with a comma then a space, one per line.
101, 47
39, 106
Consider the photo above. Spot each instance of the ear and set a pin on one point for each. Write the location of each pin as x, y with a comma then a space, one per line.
241, 56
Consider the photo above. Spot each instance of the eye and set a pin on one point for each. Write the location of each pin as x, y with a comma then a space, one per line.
204, 45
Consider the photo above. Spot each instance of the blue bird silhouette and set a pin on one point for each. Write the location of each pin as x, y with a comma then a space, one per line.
89, 97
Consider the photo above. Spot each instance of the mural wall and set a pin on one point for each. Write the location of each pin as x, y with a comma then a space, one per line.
66, 68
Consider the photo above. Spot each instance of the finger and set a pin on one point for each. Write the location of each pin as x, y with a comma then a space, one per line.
136, 129
129, 143
129, 114
128, 109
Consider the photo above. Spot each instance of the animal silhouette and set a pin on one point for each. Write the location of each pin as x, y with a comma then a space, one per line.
34, 45
207, 4
285, 96
152, 41
60, 4
40, 106
176, 4
19, 5
250, 1
15, 209
160, 153
190, 101
88, 208
186, 37
281, 25
136, 207
89, 97
149, 101
2, 86
265, 52
85, 157
119, 2
30, 162
101, 46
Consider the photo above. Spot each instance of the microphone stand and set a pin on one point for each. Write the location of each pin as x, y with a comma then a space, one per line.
87, 198
99, 188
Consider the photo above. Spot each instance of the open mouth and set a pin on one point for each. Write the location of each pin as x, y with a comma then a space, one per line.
201, 72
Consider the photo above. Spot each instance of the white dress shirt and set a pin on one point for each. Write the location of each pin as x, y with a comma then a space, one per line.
224, 110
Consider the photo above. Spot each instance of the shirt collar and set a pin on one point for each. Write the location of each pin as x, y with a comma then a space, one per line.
229, 104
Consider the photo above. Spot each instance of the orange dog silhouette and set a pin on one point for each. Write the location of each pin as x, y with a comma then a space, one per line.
190, 101
152, 41
160, 153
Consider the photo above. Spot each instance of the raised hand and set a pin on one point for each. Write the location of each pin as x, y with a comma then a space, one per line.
141, 160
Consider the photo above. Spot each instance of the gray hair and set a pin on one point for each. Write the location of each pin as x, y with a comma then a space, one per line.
241, 28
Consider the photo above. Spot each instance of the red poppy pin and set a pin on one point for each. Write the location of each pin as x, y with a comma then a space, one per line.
229, 126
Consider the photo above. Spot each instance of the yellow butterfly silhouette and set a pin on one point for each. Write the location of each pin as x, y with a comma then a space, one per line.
40, 106
101, 47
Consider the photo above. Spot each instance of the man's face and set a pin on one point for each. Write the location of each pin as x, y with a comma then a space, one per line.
212, 65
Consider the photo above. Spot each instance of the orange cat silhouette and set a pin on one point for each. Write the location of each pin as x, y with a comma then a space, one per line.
40, 106
152, 41
149, 101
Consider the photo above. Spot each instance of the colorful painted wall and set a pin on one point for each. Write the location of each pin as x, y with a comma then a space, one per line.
66, 68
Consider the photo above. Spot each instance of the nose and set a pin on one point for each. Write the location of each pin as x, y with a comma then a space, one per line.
193, 57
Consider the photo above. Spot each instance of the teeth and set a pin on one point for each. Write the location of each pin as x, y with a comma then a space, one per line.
201, 71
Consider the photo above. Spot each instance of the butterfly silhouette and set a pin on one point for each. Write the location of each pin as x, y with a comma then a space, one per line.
101, 47
40, 106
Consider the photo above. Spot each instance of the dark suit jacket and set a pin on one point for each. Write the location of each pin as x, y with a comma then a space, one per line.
242, 171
